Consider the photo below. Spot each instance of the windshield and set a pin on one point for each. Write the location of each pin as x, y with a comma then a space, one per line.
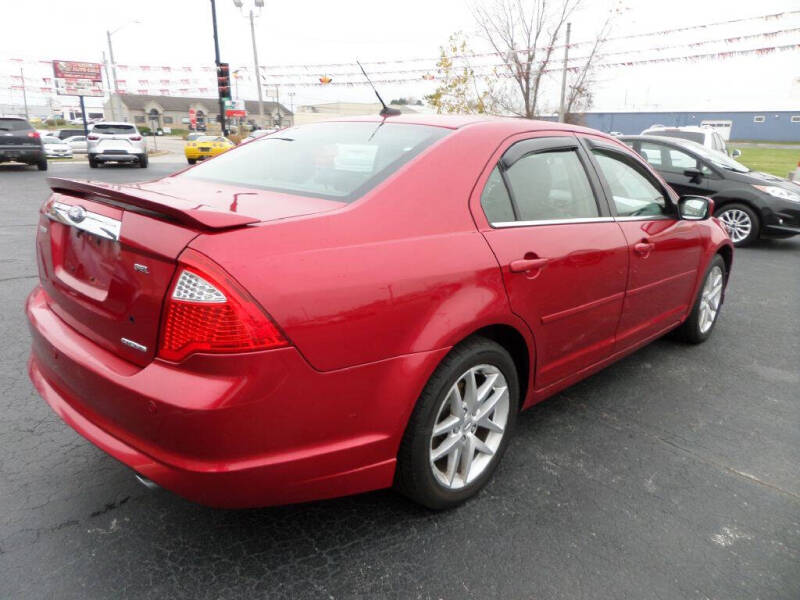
335, 161
109, 129
694, 136
716, 158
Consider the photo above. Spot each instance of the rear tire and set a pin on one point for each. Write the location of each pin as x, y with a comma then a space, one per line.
699, 325
742, 223
191, 160
470, 425
42, 164
92, 162
143, 161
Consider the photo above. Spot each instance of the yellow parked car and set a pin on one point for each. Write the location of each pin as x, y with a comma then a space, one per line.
206, 146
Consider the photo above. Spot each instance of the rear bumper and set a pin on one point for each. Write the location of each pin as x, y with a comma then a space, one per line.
114, 157
21, 154
196, 155
231, 431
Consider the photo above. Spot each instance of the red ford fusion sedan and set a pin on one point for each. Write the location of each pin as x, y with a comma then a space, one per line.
354, 305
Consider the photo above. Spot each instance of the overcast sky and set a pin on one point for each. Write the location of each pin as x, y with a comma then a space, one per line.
178, 32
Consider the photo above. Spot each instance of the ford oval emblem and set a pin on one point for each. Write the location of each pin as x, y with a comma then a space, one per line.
77, 214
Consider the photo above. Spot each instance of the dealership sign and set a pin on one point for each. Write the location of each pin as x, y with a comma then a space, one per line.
78, 78
235, 108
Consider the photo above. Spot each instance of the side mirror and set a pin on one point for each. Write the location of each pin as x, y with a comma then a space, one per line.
695, 208
736, 153
693, 174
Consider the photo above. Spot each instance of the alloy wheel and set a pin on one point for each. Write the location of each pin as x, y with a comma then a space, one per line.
710, 299
738, 223
469, 426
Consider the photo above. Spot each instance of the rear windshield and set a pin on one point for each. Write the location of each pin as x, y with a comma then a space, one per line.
13, 125
694, 136
51, 140
335, 161
109, 129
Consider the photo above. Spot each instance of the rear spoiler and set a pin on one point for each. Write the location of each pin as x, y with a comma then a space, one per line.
134, 198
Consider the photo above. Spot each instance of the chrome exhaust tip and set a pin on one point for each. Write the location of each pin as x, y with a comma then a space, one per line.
150, 485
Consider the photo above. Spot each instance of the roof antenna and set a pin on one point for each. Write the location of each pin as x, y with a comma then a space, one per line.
385, 111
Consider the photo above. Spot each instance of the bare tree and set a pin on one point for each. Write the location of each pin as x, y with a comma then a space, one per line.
523, 36
524, 33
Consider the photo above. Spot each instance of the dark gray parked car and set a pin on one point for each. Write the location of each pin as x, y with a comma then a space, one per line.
19, 142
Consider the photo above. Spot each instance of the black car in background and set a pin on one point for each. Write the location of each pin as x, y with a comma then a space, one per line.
19, 142
750, 203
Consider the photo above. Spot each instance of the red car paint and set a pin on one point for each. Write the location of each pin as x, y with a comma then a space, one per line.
369, 297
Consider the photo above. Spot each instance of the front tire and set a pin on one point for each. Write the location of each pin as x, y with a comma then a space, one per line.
742, 223
460, 426
700, 324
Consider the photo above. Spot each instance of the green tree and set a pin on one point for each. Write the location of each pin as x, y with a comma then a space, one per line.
459, 90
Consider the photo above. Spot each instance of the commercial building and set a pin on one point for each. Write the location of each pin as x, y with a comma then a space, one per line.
763, 125
173, 111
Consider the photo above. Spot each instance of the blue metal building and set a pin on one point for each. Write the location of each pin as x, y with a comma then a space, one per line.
772, 126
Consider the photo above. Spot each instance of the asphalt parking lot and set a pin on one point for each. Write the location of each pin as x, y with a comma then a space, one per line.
673, 474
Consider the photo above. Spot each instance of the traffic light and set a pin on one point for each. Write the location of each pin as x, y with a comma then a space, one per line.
224, 80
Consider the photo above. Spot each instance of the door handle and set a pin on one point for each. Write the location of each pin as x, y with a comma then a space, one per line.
527, 264
643, 248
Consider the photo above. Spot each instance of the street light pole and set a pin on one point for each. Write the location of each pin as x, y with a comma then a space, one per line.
258, 72
24, 92
115, 89
110, 90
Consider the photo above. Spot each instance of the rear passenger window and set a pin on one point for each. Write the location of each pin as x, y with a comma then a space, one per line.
551, 185
634, 195
495, 200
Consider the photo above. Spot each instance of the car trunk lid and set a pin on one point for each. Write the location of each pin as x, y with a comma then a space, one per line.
108, 253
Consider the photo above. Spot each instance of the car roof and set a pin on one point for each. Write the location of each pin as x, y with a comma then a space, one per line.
691, 128
509, 125
688, 144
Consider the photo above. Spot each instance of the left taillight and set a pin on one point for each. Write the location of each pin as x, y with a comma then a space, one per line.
34, 134
206, 310
136, 138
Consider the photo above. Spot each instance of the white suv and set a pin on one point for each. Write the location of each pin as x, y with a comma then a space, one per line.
705, 136
116, 142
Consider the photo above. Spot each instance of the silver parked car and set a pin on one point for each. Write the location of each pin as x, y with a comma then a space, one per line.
56, 148
78, 143
116, 142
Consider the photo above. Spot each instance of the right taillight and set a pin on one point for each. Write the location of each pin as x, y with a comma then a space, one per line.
92, 137
208, 311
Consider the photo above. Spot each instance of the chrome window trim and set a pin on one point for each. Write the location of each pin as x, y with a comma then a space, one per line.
646, 218
505, 224
94, 223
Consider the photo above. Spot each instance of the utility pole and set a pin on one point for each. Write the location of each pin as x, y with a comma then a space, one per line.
561, 115
291, 105
24, 93
216, 59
